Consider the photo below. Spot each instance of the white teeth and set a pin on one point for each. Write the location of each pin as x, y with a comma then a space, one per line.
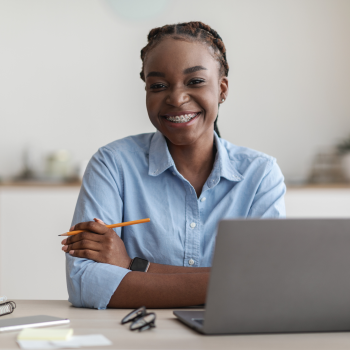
182, 118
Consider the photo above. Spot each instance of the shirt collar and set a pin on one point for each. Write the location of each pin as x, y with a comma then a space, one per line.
159, 156
160, 159
223, 163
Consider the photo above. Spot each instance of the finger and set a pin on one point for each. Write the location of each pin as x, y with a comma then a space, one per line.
92, 226
85, 254
99, 221
83, 245
82, 236
72, 228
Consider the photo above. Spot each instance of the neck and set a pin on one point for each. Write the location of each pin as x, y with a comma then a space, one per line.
195, 162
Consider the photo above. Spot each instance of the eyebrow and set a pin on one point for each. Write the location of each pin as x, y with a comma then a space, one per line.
193, 69
155, 74
186, 71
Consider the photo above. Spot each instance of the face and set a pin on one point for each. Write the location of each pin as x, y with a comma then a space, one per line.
184, 89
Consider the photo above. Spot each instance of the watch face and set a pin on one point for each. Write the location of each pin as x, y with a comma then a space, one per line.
139, 264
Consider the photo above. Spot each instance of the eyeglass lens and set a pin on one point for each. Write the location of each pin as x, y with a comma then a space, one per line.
134, 314
143, 322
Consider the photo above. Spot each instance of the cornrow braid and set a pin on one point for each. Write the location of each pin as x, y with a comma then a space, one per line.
196, 31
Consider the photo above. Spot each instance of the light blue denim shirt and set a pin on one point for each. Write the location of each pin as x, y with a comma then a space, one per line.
135, 178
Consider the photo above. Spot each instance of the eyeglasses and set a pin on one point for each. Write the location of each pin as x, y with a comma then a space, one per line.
141, 319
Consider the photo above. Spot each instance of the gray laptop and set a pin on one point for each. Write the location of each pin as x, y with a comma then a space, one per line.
272, 276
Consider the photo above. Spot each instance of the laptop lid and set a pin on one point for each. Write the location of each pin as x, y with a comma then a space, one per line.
285, 275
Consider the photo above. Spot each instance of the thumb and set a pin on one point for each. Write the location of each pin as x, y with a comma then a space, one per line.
99, 221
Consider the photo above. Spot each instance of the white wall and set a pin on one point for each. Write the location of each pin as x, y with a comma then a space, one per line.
69, 75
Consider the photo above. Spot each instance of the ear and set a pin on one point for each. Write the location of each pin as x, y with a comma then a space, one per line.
223, 89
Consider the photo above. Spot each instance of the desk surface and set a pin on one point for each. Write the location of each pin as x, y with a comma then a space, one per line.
169, 333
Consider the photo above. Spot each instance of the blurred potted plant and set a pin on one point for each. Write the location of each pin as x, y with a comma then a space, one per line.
344, 150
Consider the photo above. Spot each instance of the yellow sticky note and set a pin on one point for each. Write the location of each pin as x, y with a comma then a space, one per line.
45, 334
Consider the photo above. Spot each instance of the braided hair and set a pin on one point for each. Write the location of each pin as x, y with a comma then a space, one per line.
196, 31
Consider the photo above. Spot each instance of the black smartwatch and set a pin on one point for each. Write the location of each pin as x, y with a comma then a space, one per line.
138, 264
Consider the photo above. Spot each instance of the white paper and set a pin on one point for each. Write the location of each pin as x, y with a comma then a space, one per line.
74, 342
83, 340
36, 344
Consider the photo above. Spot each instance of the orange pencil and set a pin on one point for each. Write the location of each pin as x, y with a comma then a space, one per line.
128, 223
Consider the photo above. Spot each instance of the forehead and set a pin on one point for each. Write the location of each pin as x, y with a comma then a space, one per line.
174, 56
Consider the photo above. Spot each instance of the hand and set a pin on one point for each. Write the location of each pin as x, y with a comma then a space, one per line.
97, 243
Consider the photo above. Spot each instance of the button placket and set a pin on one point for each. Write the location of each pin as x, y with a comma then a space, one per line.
192, 243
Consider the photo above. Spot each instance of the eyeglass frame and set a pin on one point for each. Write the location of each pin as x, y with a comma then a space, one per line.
140, 312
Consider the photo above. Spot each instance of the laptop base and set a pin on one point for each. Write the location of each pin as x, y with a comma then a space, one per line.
192, 319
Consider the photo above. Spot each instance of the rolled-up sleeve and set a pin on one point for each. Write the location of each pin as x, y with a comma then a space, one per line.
92, 284
269, 198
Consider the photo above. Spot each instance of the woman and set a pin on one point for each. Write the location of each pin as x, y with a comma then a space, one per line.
184, 177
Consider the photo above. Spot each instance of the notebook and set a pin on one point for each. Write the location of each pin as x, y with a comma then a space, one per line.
45, 334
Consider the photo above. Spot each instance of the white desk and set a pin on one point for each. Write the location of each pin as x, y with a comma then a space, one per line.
169, 333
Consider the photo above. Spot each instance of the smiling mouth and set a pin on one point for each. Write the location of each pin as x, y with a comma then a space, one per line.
185, 118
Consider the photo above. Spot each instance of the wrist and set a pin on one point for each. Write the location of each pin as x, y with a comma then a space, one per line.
127, 263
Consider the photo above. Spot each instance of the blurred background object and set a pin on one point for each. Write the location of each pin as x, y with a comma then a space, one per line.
57, 168
344, 151
346, 165
327, 169
27, 173
58, 165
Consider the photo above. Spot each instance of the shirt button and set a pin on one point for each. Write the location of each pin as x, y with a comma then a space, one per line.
193, 225
174, 173
203, 199
191, 261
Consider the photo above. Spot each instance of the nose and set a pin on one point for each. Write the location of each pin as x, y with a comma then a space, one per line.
177, 97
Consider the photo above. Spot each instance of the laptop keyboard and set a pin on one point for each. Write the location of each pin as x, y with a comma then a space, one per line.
199, 320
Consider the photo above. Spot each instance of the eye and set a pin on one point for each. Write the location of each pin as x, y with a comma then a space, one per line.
157, 86
196, 81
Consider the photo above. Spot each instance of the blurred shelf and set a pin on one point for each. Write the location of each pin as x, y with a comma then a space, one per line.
328, 186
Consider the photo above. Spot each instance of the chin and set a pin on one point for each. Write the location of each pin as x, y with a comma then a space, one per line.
181, 139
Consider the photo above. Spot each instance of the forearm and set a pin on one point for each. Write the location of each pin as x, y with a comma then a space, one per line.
169, 269
160, 290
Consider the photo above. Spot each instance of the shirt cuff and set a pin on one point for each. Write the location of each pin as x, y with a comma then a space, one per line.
98, 281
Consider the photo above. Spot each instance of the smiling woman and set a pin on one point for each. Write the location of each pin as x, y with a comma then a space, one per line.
184, 177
